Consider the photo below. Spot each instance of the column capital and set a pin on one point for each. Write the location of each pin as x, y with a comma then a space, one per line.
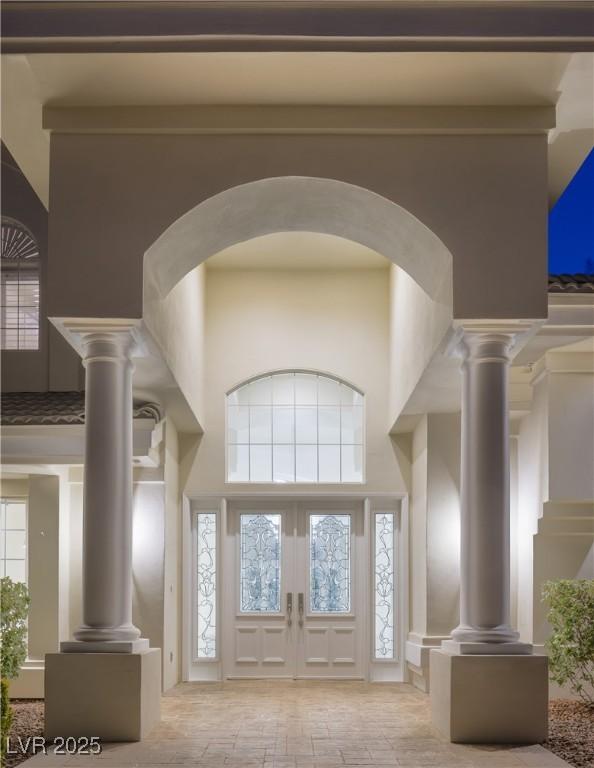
125, 334
106, 346
491, 340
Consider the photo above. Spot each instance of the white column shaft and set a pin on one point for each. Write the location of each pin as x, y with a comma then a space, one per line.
107, 520
485, 566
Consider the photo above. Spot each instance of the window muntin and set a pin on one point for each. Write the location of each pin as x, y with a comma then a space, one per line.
295, 427
13, 541
19, 288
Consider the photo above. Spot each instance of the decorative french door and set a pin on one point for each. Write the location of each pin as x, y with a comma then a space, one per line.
294, 604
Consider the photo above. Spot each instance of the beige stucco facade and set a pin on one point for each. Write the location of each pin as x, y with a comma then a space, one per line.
397, 248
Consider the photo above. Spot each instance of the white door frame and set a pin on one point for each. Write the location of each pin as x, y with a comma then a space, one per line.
211, 670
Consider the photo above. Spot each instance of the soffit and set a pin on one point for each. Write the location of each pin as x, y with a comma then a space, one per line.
297, 251
353, 79
346, 79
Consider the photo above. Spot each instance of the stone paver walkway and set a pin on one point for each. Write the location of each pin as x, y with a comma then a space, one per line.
302, 724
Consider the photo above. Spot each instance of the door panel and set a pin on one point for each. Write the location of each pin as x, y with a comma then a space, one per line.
296, 601
254, 600
332, 558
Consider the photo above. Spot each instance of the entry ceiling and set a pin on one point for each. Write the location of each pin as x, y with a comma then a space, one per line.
299, 78
31, 81
298, 250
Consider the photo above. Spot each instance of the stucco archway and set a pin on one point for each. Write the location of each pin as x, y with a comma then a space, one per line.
298, 204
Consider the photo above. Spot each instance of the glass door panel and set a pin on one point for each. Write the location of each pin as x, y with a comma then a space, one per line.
294, 598
329, 563
260, 563
258, 591
330, 559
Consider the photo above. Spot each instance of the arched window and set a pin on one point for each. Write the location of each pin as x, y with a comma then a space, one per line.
19, 322
295, 427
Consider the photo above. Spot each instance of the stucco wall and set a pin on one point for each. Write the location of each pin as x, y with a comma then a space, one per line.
43, 541
113, 195
435, 525
177, 325
171, 651
263, 320
147, 561
54, 365
26, 370
417, 326
556, 486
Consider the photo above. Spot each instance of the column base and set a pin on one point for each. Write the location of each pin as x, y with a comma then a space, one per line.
487, 649
105, 646
417, 657
114, 696
479, 699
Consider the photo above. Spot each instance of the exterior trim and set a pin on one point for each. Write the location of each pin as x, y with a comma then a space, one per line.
234, 120
307, 25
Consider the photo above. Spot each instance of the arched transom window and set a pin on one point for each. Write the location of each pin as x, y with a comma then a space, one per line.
295, 427
19, 327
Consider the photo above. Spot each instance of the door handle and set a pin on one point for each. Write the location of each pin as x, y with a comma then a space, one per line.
289, 608
300, 605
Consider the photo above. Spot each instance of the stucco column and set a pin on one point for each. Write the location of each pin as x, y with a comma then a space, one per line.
485, 523
107, 505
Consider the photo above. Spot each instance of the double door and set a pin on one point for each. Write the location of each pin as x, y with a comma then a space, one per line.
295, 605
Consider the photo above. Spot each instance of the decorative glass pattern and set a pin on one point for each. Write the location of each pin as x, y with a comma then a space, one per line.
384, 585
206, 584
260, 563
19, 287
295, 428
13, 539
330, 563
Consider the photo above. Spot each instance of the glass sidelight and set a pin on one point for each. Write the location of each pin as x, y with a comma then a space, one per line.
384, 595
206, 585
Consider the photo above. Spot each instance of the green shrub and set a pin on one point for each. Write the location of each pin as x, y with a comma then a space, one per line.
14, 606
571, 644
5, 718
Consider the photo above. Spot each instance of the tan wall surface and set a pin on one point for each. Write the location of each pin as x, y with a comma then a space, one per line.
263, 320
171, 654
417, 326
112, 196
43, 537
147, 558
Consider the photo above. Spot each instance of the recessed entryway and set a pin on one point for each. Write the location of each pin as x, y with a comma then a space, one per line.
295, 588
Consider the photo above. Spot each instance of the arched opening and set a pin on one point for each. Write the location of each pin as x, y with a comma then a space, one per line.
298, 204
324, 207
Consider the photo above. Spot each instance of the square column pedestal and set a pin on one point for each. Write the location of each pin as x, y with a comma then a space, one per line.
489, 699
115, 696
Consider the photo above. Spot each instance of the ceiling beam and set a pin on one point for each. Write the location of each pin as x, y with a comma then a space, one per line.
300, 25
299, 120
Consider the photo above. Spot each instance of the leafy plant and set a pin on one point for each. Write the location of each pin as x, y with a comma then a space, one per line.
14, 604
5, 718
571, 644
14, 607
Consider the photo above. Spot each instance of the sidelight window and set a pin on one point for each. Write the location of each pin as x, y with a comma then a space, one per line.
384, 585
206, 585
